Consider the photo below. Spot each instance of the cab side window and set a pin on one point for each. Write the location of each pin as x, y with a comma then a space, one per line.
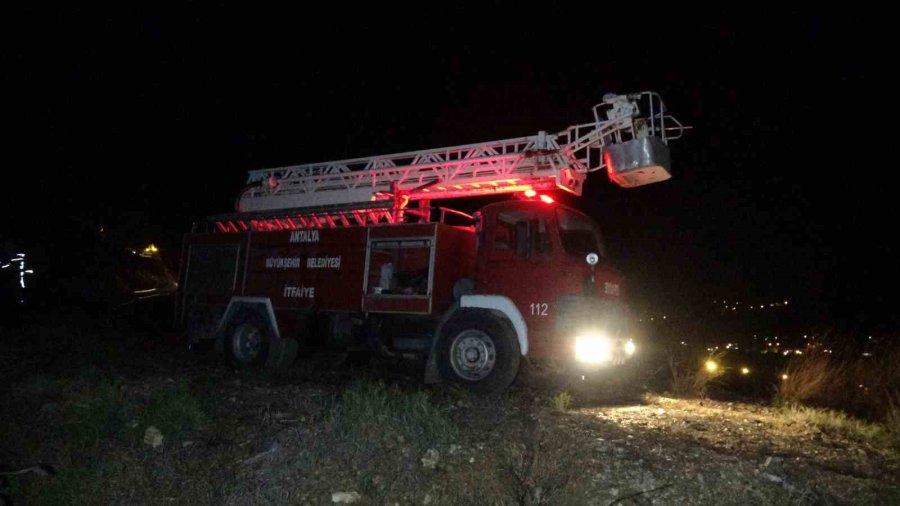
520, 234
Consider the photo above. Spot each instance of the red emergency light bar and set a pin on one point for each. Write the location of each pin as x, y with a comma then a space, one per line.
532, 194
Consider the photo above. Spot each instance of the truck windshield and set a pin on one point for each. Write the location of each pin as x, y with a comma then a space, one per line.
578, 233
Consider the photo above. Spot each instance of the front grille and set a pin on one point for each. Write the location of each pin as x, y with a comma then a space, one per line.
578, 314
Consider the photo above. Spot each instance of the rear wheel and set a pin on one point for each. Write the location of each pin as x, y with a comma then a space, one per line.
249, 343
478, 351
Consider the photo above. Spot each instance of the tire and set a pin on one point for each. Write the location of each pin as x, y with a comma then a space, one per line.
479, 352
248, 340
250, 343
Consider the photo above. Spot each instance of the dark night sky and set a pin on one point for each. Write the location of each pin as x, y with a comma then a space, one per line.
143, 121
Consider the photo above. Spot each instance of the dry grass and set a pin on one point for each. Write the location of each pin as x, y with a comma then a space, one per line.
539, 471
809, 378
867, 387
691, 378
561, 402
892, 419
370, 414
95, 441
837, 421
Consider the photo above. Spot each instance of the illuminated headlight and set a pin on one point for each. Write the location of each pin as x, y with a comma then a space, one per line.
629, 348
593, 349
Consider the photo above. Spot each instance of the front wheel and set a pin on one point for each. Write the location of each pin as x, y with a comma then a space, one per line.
478, 351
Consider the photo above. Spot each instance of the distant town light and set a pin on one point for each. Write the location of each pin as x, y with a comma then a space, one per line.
711, 366
150, 250
745, 370
784, 376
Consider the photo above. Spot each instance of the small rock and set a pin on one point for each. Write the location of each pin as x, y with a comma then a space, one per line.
660, 411
774, 465
431, 458
401, 439
427, 500
454, 449
345, 497
186, 444
153, 437
472, 460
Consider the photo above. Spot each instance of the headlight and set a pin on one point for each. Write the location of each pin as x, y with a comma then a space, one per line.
593, 349
629, 348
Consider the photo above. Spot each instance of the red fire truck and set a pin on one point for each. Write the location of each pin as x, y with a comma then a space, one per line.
353, 254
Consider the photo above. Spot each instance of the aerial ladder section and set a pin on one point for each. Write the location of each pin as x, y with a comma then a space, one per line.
628, 138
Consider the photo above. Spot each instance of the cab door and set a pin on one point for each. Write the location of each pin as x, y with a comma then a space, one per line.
516, 261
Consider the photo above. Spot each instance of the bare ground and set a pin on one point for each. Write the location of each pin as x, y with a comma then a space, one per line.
273, 439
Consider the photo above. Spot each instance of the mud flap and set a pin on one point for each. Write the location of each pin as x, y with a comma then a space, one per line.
282, 353
432, 375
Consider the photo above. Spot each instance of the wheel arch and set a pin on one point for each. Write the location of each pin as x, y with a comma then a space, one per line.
503, 307
262, 305
498, 305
